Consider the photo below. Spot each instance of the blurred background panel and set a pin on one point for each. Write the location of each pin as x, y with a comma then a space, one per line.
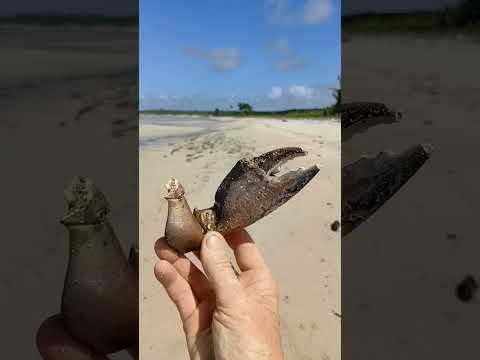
69, 104
402, 266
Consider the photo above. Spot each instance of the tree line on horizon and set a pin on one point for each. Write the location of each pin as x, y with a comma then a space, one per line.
465, 14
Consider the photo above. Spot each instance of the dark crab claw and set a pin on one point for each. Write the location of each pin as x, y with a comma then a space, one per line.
358, 117
369, 183
252, 190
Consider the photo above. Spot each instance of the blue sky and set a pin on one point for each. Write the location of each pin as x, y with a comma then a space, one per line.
274, 54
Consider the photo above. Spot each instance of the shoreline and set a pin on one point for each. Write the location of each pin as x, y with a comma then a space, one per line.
163, 129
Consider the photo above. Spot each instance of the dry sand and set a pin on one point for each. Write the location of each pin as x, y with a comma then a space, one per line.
425, 239
61, 116
296, 240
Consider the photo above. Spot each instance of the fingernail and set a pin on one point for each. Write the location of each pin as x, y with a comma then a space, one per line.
212, 241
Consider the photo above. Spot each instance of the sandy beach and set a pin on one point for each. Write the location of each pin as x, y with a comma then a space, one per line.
423, 242
62, 116
296, 240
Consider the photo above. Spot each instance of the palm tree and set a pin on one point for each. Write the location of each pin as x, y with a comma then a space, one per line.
337, 94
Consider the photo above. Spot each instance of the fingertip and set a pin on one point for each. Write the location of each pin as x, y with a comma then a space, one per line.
164, 272
55, 343
164, 251
213, 241
212, 233
44, 336
159, 243
238, 237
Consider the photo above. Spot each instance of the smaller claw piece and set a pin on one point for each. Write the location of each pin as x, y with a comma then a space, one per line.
352, 113
99, 306
250, 191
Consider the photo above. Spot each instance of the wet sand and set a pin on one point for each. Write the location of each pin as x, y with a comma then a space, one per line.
296, 240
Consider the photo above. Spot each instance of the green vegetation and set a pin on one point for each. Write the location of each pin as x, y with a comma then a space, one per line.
286, 114
463, 17
54, 19
245, 108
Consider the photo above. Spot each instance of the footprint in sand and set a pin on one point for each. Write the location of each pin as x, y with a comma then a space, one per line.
175, 150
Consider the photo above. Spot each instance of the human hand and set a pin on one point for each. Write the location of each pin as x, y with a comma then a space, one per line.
55, 343
225, 316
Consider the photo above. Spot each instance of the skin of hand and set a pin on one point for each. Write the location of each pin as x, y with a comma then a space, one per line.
55, 343
225, 315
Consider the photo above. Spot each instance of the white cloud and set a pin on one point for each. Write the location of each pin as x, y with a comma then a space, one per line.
275, 93
287, 60
317, 11
221, 59
302, 91
311, 12
291, 64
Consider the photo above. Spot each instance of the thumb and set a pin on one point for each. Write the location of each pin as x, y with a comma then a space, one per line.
218, 268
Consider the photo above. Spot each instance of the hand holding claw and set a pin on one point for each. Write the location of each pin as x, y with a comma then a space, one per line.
224, 315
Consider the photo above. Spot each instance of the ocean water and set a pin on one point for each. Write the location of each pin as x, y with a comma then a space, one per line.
198, 125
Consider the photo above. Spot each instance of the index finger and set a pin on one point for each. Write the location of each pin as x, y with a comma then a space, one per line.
246, 252
54, 343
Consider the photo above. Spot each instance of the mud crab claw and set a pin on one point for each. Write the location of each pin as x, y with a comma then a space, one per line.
368, 183
252, 189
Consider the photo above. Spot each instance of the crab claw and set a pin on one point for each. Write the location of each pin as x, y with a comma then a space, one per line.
355, 112
358, 117
252, 190
369, 183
